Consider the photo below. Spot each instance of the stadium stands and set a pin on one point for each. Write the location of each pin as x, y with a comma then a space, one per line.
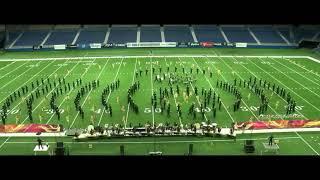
13, 36
150, 34
238, 34
266, 34
285, 31
88, 36
318, 38
306, 33
61, 37
30, 35
208, 33
177, 33
30, 38
122, 34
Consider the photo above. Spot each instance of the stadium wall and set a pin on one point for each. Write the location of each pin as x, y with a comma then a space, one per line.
129, 45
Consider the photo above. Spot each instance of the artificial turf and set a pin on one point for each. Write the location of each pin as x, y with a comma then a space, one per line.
299, 76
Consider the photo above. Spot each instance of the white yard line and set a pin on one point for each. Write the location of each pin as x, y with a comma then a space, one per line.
277, 95
173, 56
7, 65
110, 91
16, 78
128, 108
299, 65
89, 94
35, 89
241, 79
224, 106
54, 88
175, 101
32, 91
152, 108
277, 113
300, 72
311, 58
287, 87
307, 143
294, 80
28, 80
196, 96
4, 142
22, 100
68, 93
13, 70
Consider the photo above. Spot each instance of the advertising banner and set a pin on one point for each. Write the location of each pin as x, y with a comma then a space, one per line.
207, 44
95, 45
37, 47
194, 44
151, 44
59, 46
108, 45
182, 44
241, 44
119, 45
72, 46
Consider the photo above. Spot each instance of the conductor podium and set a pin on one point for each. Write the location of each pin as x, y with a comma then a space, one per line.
271, 148
39, 149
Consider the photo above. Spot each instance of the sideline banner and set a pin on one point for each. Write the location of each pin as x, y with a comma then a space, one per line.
207, 44
59, 46
95, 45
29, 128
241, 44
278, 124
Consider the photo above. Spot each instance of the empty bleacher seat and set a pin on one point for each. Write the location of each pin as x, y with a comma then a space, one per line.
305, 33
285, 31
266, 34
150, 34
122, 35
177, 34
238, 34
30, 38
88, 36
13, 36
208, 33
61, 37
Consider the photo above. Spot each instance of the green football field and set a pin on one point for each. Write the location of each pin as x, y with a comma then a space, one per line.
299, 76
